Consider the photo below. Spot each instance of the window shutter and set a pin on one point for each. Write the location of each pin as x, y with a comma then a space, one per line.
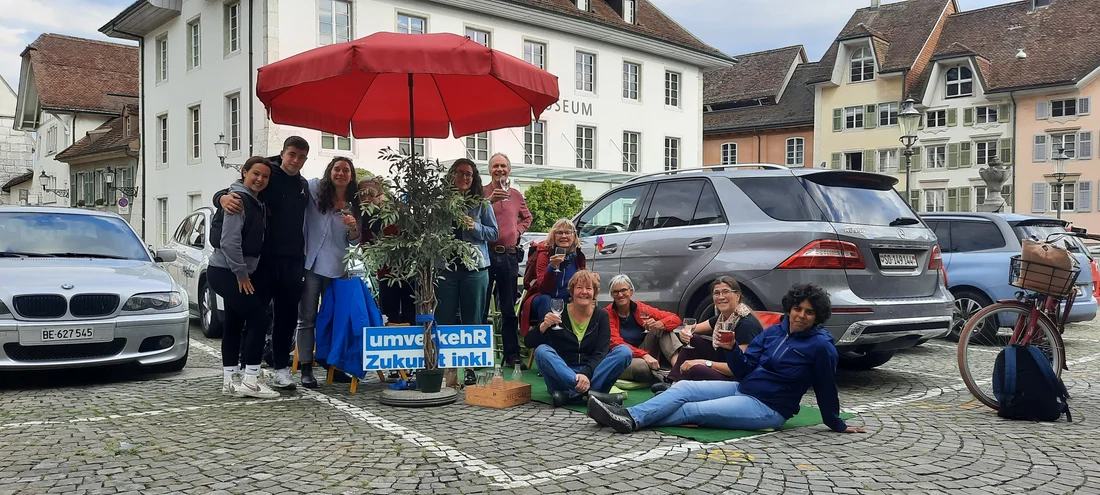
1084, 145
1006, 193
968, 116
1084, 196
1002, 112
868, 160
953, 155
1039, 151
870, 116
838, 119
916, 158
914, 199
72, 190
953, 199
1084, 105
835, 164
1038, 197
1006, 151
965, 160
952, 117
964, 199
1042, 110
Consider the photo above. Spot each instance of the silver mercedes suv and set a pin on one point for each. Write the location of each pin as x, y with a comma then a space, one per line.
770, 227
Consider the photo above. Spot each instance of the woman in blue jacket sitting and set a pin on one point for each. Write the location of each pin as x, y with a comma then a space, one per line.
778, 367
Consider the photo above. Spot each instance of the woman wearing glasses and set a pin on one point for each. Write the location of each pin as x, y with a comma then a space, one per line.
556, 260
648, 332
703, 358
462, 291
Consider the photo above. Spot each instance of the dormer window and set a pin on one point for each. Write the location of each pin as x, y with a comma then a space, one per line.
960, 81
628, 11
1035, 4
583, 5
863, 65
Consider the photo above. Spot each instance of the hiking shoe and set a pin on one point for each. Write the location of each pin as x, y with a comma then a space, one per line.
283, 380
251, 386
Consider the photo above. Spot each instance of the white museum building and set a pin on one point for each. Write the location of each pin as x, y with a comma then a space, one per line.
630, 88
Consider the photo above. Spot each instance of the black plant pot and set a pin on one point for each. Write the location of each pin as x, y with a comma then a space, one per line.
429, 381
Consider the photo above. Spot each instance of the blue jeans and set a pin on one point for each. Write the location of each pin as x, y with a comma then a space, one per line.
711, 404
560, 376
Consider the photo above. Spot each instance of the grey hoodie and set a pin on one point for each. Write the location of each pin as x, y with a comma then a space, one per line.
230, 255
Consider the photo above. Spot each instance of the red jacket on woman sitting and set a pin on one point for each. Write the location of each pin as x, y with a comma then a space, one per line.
541, 281
670, 320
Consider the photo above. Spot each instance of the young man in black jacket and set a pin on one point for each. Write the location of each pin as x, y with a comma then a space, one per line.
282, 263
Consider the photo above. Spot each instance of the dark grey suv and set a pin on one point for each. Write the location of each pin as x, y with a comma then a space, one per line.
770, 227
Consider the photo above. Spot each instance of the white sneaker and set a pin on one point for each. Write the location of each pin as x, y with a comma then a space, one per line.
229, 381
283, 379
251, 386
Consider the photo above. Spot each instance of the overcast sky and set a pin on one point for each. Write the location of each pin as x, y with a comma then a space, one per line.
733, 26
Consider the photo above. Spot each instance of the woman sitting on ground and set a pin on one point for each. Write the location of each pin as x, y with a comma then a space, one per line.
707, 361
645, 330
778, 367
556, 260
575, 359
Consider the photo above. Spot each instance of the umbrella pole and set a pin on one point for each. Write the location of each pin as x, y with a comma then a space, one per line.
412, 120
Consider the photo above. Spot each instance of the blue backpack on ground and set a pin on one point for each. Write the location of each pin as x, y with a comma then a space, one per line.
1026, 386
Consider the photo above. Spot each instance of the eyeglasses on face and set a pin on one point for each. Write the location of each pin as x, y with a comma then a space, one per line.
461, 173
618, 292
564, 232
725, 292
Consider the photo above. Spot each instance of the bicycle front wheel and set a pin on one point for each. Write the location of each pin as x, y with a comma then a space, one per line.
979, 345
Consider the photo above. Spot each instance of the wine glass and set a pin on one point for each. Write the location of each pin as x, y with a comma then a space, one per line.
645, 317
689, 324
556, 307
504, 185
560, 250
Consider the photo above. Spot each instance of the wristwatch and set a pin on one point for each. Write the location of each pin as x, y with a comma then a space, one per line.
709, 363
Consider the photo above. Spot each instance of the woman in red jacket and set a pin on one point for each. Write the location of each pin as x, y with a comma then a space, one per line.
553, 270
645, 330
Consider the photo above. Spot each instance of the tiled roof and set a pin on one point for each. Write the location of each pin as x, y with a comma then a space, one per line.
796, 108
1062, 42
905, 26
15, 181
113, 140
82, 74
650, 20
756, 75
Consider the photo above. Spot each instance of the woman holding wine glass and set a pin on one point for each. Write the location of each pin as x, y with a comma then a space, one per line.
556, 260
702, 358
332, 224
573, 346
648, 332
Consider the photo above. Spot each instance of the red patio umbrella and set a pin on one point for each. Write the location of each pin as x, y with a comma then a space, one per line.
370, 85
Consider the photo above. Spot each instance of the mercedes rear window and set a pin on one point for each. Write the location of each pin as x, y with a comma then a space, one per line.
782, 198
835, 198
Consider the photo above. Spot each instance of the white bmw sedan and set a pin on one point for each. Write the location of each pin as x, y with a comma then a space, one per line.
78, 288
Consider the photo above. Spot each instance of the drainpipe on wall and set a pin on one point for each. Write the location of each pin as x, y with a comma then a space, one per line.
251, 73
758, 151
1015, 146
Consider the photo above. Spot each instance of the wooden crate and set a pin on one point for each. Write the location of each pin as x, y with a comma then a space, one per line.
513, 394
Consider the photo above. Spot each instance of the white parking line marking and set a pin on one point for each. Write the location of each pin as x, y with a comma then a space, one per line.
138, 414
205, 348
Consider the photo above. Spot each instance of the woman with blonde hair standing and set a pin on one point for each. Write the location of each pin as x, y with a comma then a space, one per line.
557, 259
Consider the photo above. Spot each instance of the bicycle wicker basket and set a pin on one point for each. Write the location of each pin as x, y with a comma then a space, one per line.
1041, 277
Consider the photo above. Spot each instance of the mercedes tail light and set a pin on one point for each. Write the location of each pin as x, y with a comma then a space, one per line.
826, 254
935, 262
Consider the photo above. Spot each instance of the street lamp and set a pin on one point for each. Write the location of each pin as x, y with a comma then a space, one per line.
908, 120
1059, 160
109, 178
44, 178
221, 148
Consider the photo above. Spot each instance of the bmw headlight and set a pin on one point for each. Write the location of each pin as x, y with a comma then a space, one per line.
158, 301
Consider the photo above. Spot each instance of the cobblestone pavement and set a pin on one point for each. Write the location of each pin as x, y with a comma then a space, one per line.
110, 431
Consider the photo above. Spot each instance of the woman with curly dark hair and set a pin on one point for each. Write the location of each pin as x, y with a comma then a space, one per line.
778, 367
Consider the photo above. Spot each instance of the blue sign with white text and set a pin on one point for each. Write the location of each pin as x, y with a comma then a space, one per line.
401, 348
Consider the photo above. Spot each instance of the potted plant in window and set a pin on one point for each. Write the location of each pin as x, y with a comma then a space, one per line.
425, 209
80, 203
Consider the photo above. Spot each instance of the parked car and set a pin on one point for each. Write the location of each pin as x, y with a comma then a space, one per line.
525, 241
849, 232
977, 248
191, 241
78, 288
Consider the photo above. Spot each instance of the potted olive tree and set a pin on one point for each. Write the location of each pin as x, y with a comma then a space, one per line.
425, 207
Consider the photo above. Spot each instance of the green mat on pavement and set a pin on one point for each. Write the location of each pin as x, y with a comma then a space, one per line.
807, 416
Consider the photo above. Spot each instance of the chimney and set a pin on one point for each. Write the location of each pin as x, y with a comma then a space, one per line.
875, 4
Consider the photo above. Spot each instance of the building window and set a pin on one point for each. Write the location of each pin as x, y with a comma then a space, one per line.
960, 81
479, 36
863, 65
887, 114
194, 202
89, 188
534, 143
987, 151
936, 118
403, 146
128, 129
232, 27
586, 147
631, 141
937, 157
583, 5
162, 216
853, 160
1040, 3
986, 115
586, 72
534, 53
334, 21
888, 160
1063, 108
51, 141
333, 142
796, 152
628, 11
729, 154
194, 45
477, 146
1068, 191
162, 59
672, 153
233, 120
407, 24
195, 134
935, 200
853, 117
162, 133
632, 74
1066, 141
672, 89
